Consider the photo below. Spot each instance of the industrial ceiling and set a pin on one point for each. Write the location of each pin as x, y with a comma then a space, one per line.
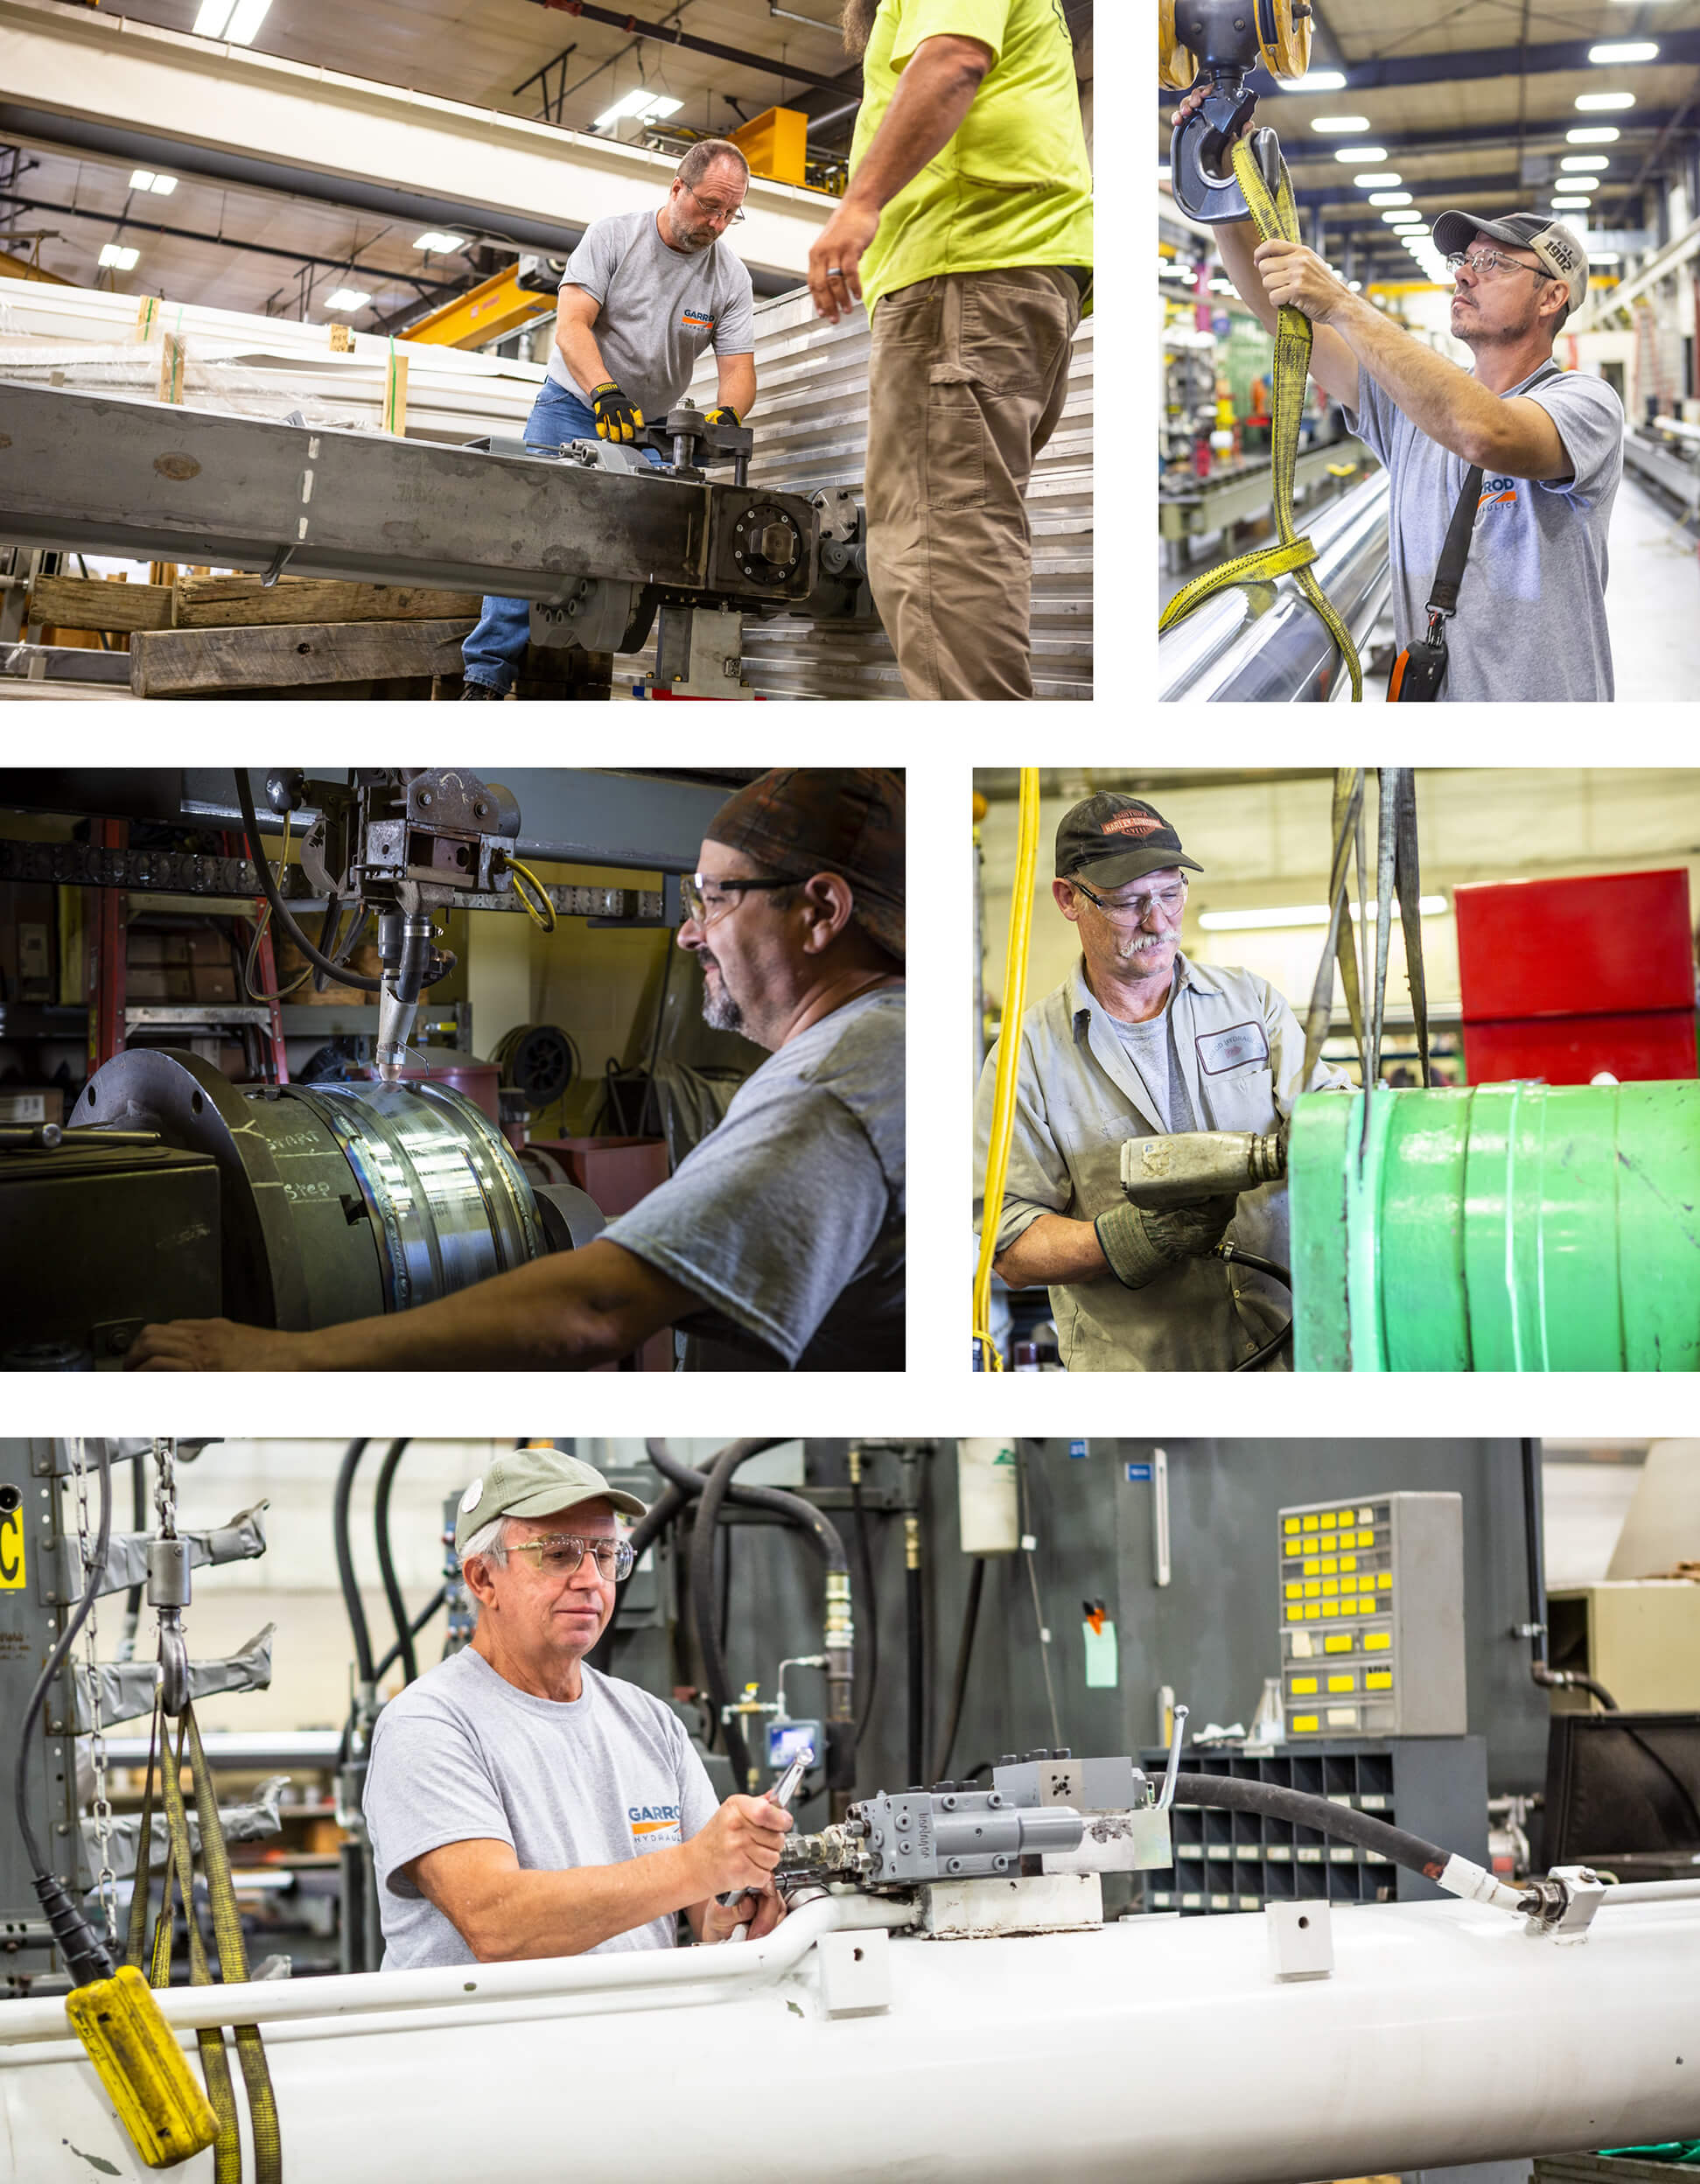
1472, 102
248, 250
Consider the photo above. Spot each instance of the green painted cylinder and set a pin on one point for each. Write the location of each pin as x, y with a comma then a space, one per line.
1505, 1228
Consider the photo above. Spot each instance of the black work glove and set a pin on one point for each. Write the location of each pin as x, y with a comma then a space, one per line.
1139, 1242
724, 414
617, 416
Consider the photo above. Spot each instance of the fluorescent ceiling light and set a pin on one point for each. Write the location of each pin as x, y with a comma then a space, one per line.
1384, 180
640, 105
440, 240
1222, 287
1606, 136
1299, 913
1604, 101
347, 300
1605, 257
1587, 163
118, 254
235, 20
1318, 80
1362, 153
1603, 56
1356, 287
1340, 125
1404, 220
1572, 204
1391, 197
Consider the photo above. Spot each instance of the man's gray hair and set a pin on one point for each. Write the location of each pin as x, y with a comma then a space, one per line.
694, 167
490, 1539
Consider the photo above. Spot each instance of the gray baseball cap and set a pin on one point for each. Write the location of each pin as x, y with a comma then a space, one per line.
533, 1481
1560, 249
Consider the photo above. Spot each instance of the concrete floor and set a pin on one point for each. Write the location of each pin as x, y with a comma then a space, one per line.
1652, 602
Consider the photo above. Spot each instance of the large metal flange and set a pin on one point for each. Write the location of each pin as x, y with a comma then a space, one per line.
1283, 37
1176, 67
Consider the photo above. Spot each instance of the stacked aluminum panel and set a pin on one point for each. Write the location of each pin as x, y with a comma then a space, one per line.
811, 428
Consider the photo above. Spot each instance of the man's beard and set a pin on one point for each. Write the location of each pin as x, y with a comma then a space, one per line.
720, 1011
858, 24
1500, 336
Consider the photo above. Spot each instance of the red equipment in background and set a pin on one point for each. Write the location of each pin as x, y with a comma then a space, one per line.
1562, 979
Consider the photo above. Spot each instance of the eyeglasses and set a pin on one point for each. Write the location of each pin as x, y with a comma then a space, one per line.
561, 1554
702, 908
727, 215
1483, 263
1169, 901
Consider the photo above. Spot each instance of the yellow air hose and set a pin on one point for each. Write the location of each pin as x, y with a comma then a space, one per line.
1277, 215
1009, 1063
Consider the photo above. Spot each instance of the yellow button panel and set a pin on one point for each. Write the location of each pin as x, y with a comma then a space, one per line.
1346, 1682
1304, 1687
1378, 1679
1304, 1723
1292, 1524
1295, 1593
1378, 1642
1340, 1644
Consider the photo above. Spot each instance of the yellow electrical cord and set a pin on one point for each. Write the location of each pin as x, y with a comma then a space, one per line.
538, 906
1009, 1063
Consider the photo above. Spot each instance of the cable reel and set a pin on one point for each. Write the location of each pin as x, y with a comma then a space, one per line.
1225, 40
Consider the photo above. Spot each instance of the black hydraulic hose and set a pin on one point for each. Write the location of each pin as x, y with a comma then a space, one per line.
85, 1956
1232, 1254
1225, 1794
1539, 1667
414, 1629
964, 1656
345, 1552
280, 910
822, 1534
398, 1608
867, 1608
917, 1653
133, 1599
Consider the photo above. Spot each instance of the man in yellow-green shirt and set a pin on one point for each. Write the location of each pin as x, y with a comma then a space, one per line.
967, 230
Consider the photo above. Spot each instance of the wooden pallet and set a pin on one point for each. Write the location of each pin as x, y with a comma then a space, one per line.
231, 602
292, 655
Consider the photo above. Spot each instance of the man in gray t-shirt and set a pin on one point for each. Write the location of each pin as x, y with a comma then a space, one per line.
519, 1804
1531, 622
643, 295
778, 1242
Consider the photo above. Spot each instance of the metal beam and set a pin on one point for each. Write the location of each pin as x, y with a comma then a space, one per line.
82, 471
670, 34
77, 80
223, 242
1677, 49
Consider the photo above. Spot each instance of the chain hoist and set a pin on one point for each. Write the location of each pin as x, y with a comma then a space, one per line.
168, 1584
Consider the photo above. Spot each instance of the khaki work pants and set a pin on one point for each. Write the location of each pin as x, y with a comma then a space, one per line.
966, 379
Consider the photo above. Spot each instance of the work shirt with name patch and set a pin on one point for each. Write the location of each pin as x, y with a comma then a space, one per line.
462, 1754
1241, 1055
1531, 611
660, 308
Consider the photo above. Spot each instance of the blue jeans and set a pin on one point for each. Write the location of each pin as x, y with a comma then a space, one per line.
494, 652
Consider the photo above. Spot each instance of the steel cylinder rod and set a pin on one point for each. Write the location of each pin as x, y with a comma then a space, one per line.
1264, 642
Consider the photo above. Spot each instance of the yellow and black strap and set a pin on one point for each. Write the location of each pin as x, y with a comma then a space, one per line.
1277, 217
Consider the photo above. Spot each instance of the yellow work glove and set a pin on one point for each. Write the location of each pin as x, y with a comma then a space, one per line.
617, 416
724, 415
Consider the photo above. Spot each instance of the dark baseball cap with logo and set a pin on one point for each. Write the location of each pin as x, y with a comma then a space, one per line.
1561, 250
1110, 840
798, 821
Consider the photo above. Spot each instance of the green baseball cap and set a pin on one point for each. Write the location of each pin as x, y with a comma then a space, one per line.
533, 1481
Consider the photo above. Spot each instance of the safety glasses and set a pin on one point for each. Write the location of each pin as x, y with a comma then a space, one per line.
561, 1554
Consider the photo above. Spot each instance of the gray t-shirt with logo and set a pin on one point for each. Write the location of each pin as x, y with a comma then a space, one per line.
462, 1755
789, 1220
1531, 611
660, 308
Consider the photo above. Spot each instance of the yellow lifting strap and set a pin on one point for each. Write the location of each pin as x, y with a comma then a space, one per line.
233, 1958
1277, 217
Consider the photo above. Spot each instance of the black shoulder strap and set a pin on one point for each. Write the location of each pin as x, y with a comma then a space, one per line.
1461, 532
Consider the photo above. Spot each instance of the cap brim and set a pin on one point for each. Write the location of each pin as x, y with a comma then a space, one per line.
546, 1502
1454, 231
1117, 871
